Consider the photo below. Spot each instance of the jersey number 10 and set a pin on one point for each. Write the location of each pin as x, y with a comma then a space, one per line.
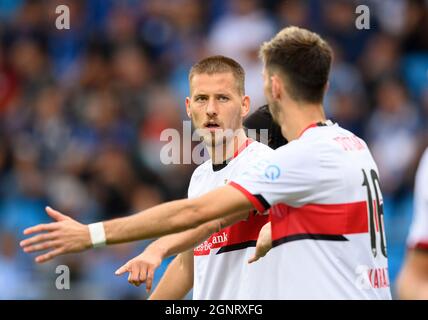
375, 209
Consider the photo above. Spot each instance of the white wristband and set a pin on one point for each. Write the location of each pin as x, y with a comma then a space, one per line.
98, 236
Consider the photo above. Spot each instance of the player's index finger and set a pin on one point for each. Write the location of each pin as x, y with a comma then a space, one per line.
253, 259
40, 227
121, 270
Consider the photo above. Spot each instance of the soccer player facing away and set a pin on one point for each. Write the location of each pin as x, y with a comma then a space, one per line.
217, 101
413, 280
327, 227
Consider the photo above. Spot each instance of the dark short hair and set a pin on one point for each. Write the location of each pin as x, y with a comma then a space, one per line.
220, 64
303, 60
262, 119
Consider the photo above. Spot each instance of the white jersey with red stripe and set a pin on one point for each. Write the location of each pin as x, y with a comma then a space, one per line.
327, 223
418, 236
221, 269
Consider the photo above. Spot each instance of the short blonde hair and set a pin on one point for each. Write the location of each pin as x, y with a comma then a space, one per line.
220, 64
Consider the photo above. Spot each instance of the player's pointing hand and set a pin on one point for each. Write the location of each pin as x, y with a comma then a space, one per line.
61, 237
142, 268
264, 243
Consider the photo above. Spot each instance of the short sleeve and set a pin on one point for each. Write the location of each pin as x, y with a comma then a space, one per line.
286, 176
418, 236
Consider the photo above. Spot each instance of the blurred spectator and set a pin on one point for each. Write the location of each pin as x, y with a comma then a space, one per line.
380, 59
416, 24
82, 110
293, 13
14, 279
390, 14
346, 101
245, 17
8, 83
393, 131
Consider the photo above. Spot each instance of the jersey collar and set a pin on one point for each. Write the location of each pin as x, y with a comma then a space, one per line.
218, 167
317, 124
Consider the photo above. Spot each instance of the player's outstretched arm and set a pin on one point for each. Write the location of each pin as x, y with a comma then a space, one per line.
412, 282
141, 268
67, 235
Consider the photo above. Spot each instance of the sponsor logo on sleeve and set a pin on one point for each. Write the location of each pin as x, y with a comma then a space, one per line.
272, 172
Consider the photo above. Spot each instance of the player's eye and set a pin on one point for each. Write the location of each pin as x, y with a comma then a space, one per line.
223, 98
200, 99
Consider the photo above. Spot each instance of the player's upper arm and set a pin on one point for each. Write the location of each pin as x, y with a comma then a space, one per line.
177, 279
220, 203
185, 263
412, 282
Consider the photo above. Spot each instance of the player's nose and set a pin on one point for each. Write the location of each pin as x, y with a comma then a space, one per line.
211, 108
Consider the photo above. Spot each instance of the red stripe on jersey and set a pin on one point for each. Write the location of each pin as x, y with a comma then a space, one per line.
312, 125
242, 148
308, 127
240, 232
320, 219
421, 246
255, 202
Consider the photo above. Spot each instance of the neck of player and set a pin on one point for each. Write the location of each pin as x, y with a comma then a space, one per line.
226, 151
296, 118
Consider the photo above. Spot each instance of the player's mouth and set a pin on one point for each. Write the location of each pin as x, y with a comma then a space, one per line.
211, 125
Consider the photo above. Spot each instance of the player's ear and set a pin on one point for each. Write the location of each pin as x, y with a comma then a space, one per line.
276, 87
326, 87
245, 107
189, 114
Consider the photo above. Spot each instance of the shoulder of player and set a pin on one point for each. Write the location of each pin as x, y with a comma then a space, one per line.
424, 160
331, 138
294, 147
258, 148
306, 149
253, 153
201, 170
422, 171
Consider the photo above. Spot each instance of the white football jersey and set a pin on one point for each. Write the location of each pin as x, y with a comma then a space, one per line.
418, 236
327, 224
221, 269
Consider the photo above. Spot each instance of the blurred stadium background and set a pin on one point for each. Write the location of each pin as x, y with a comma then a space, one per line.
81, 111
